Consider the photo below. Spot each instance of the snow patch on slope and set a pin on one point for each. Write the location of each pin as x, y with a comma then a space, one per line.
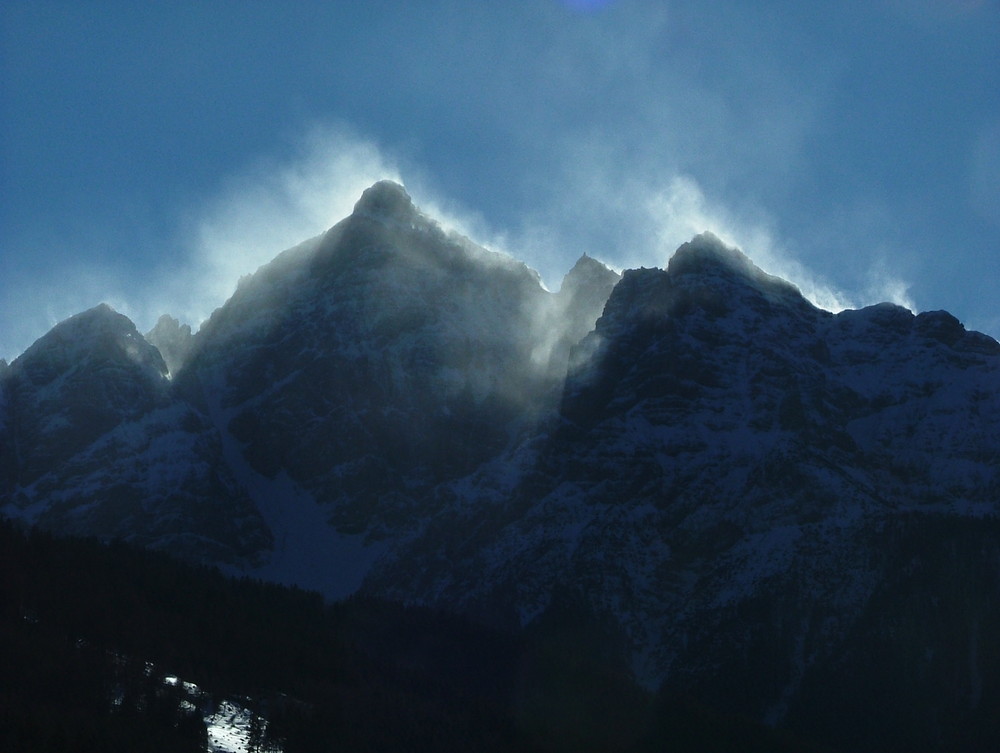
229, 729
308, 551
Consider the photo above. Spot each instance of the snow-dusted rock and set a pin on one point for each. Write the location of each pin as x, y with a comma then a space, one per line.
730, 481
173, 340
97, 445
378, 361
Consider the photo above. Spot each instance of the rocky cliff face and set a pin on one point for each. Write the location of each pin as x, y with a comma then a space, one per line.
382, 359
97, 445
354, 374
730, 481
764, 504
173, 340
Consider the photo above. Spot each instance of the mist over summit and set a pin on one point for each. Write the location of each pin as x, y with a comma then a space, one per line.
744, 495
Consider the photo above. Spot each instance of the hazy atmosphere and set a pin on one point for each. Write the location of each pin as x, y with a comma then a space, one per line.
151, 154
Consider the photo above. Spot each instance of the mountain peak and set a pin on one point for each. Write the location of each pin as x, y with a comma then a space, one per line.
589, 271
385, 199
100, 320
705, 251
708, 255
173, 340
98, 332
588, 263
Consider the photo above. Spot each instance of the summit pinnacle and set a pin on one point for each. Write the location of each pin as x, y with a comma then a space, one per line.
385, 199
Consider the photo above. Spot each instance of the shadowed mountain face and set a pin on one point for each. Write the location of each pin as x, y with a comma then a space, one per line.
357, 372
763, 504
173, 340
384, 358
732, 481
95, 443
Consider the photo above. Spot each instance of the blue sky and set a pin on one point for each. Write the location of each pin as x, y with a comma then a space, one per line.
154, 152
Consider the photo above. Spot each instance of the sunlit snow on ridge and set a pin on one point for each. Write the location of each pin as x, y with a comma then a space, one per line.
229, 729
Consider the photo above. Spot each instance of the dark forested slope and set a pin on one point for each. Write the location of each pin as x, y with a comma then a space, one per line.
90, 631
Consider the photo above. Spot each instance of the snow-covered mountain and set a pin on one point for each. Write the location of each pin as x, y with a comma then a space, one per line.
732, 480
358, 372
729, 481
95, 443
376, 362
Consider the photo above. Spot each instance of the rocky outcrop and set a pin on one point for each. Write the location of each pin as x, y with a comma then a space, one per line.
97, 445
173, 340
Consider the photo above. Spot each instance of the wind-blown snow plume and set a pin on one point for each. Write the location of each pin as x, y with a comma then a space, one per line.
276, 203
681, 210
269, 208
36, 305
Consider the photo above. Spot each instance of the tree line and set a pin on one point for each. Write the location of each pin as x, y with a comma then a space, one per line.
89, 630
